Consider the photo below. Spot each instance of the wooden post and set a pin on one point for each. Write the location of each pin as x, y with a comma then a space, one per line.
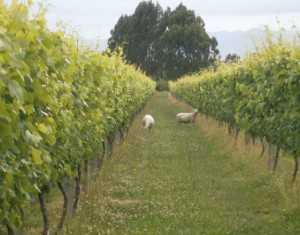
247, 139
69, 187
272, 156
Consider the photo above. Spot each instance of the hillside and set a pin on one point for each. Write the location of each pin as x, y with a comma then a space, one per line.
240, 42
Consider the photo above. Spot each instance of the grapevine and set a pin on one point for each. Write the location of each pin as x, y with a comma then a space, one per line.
259, 94
58, 101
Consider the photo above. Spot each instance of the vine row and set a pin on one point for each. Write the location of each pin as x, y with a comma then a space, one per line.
59, 99
259, 94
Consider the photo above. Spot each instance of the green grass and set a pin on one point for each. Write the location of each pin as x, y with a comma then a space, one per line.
188, 179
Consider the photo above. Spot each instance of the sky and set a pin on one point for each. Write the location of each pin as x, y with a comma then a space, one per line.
96, 18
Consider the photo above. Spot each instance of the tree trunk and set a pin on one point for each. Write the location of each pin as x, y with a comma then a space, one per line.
101, 158
77, 190
44, 212
295, 169
237, 131
64, 211
276, 158
9, 230
263, 146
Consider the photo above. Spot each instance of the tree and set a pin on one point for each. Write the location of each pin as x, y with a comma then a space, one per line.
166, 45
184, 46
136, 34
120, 32
232, 58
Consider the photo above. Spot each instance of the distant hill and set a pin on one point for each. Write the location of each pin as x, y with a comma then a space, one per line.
236, 42
241, 42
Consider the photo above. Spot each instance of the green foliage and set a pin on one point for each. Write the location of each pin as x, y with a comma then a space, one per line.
259, 94
162, 85
232, 58
166, 45
57, 102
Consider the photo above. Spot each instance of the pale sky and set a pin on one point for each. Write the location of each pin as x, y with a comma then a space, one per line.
96, 18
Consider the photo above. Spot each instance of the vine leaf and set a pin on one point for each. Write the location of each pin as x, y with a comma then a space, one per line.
34, 137
16, 91
36, 156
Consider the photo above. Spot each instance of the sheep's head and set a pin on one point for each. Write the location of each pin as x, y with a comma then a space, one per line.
195, 111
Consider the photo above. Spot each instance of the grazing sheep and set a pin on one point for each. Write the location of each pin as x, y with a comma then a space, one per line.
148, 122
187, 117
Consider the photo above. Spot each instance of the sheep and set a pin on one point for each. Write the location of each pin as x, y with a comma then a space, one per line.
148, 122
187, 117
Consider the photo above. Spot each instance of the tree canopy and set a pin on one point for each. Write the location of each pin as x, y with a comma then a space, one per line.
165, 44
232, 58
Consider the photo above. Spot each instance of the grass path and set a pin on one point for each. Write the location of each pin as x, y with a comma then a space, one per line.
184, 180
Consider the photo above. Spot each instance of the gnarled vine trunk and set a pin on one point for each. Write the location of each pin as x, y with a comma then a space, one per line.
77, 190
295, 169
263, 146
44, 212
64, 211
10, 231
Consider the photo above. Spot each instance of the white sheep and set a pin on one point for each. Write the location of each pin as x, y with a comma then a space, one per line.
187, 117
148, 122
